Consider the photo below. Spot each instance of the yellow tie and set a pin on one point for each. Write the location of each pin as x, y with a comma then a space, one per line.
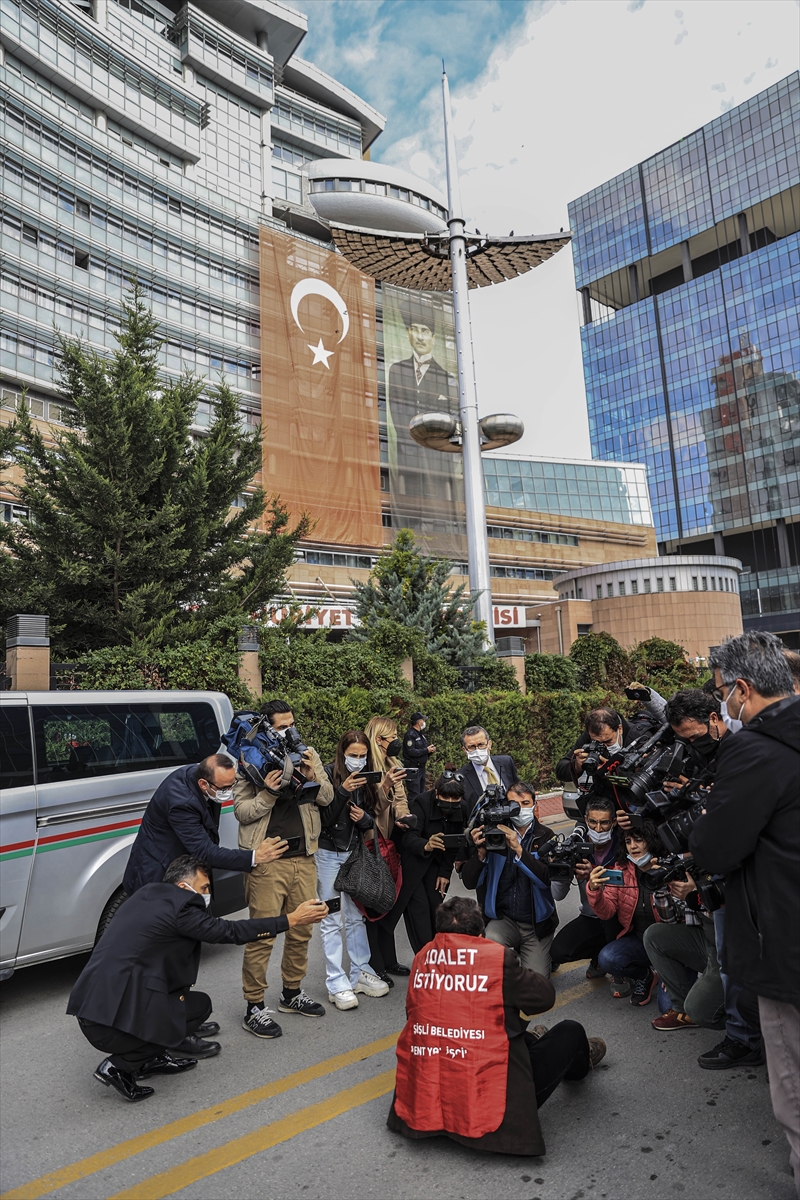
490, 775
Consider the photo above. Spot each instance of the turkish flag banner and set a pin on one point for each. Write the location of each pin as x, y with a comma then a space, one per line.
452, 1056
319, 389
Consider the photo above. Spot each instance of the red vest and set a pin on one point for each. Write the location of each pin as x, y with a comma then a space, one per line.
452, 1056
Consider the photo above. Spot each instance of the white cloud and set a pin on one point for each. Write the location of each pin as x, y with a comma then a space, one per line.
585, 91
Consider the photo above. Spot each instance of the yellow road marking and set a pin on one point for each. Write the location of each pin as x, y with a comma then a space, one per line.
213, 1161
156, 1137
54, 1180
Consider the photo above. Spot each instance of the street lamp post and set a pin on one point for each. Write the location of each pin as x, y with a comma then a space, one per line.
477, 540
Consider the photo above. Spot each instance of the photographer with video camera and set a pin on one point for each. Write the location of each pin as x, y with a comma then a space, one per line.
429, 853
343, 821
289, 812
512, 882
621, 894
586, 935
750, 834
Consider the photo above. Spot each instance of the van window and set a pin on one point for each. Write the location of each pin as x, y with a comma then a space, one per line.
16, 751
76, 741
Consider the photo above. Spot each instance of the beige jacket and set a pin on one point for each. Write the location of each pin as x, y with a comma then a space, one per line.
253, 809
388, 810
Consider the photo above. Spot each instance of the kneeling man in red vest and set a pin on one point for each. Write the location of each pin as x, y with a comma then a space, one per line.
466, 1066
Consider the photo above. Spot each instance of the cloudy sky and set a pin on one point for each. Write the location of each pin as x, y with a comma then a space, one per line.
550, 98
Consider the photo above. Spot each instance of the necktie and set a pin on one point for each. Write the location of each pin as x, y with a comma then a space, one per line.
491, 777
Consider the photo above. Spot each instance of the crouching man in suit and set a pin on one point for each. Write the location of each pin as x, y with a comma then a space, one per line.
133, 999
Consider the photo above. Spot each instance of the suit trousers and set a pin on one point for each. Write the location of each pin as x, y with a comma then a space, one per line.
780, 1028
272, 890
128, 1052
561, 1053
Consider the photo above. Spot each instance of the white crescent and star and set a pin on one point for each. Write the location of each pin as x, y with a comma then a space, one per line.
318, 287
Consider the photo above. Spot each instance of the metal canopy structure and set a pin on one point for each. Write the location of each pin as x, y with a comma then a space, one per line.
422, 261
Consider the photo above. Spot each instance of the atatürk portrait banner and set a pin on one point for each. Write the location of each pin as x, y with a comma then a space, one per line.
319, 389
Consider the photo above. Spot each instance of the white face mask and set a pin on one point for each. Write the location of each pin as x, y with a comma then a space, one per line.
613, 749
642, 861
203, 895
281, 733
480, 757
600, 837
733, 724
222, 795
355, 764
423, 725
523, 818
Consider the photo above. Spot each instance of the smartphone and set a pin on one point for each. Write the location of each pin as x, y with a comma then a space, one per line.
334, 905
453, 841
370, 776
638, 693
614, 878
293, 843
411, 770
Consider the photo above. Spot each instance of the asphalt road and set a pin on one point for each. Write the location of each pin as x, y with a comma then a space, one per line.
304, 1116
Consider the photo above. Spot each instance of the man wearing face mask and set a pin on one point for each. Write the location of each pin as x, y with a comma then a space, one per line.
280, 884
416, 752
586, 935
183, 818
483, 767
133, 999
750, 833
513, 885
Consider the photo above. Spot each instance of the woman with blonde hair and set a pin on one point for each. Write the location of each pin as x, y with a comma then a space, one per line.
390, 807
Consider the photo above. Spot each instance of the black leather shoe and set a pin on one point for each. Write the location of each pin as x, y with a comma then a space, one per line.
194, 1047
385, 977
207, 1030
398, 969
165, 1064
121, 1081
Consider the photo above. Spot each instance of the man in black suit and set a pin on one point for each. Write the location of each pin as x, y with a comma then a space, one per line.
183, 818
133, 998
483, 767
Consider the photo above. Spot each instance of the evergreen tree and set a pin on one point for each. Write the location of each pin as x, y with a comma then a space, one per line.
412, 589
130, 538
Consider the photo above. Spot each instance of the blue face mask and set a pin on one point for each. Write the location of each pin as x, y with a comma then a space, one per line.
642, 861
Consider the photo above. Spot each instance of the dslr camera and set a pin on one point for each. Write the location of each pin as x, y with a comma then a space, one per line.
675, 866
594, 752
562, 854
495, 810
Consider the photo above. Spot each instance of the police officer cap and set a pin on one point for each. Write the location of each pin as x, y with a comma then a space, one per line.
412, 720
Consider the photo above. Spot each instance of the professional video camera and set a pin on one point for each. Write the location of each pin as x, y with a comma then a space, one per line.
645, 765
562, 854
676, 867
260, 749
494, 810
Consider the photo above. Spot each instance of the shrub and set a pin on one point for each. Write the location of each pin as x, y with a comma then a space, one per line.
550, 673
601, 662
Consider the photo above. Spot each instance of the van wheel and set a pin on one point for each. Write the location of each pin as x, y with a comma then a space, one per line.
110, 911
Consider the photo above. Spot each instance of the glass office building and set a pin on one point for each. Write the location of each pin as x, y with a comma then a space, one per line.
688, 267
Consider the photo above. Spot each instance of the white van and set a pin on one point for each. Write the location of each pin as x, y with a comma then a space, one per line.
77, 770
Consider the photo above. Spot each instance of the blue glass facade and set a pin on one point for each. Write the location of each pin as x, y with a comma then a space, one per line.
570, 489
691, 346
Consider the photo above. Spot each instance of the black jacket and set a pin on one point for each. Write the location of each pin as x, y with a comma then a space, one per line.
532, 839
503, 763
137, 978
416, 860
338, 832
415, 749
642, 723
751, 835
179, 820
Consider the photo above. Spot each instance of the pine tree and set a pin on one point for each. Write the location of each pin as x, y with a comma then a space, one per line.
130, 537
411, 589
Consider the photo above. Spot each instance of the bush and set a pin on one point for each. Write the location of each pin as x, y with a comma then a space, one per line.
204, 665
601, 662
550, 673
665, 666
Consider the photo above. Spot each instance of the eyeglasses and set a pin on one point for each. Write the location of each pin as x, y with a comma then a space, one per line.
600, 826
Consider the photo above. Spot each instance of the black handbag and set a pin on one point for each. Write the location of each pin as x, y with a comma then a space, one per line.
366, 877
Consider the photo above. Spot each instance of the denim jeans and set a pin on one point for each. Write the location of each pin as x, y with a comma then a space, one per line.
735, 1025
355, 933
624, 958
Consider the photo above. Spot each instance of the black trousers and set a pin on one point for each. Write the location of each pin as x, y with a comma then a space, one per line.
583, 937
128, 1052
415, 784
561, 1053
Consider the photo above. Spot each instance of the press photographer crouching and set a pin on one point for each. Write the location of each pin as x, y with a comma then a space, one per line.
621, 893
586, 935
512, 883
466, 1067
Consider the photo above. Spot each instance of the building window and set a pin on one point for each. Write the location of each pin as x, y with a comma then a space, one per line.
713, 584
583, 630
704, 582
610, 589
599, 591
386, 520
673, 585
659, 583
719, 583
635, 587
647, 585
694, 583
622, 587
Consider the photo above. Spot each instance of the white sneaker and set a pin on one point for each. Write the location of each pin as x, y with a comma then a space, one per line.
371, 985
343, 1000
